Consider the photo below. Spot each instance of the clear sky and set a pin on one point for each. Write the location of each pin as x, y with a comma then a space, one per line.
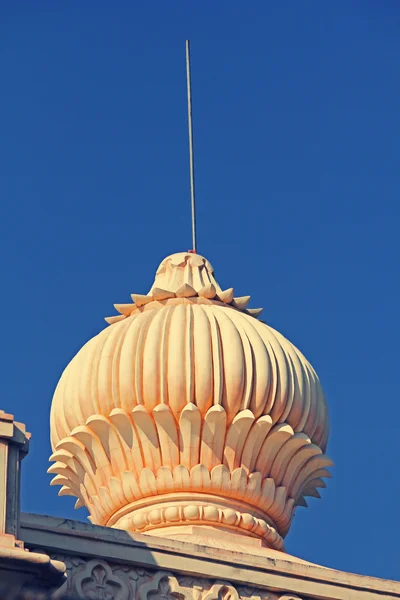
297, 128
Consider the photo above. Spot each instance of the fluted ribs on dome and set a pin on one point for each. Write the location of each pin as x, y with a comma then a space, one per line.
216, 356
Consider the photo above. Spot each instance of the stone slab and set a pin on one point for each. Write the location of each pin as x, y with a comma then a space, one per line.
265, 570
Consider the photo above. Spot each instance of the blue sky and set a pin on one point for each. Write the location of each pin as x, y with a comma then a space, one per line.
297, 128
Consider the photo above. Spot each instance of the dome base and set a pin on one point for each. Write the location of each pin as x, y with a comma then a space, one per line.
214, 516
213, 537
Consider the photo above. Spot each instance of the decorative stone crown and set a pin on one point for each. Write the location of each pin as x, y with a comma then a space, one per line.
187, 410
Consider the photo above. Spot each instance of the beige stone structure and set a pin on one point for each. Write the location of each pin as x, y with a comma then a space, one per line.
187, 411
191, 431
19, 568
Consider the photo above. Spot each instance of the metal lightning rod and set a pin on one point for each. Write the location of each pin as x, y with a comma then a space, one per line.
191, 154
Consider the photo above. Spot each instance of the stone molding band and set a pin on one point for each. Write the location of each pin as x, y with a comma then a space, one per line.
182, 512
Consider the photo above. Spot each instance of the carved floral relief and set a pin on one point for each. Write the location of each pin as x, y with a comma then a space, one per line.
101, 580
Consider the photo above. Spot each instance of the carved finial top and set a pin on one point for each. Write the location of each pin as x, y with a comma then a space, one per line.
184, 267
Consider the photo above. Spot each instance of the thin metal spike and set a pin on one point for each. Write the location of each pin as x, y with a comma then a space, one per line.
191, 153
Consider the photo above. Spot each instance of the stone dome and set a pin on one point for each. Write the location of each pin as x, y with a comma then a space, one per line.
188, 410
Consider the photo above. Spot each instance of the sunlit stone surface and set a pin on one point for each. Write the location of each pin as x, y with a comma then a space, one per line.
187, 410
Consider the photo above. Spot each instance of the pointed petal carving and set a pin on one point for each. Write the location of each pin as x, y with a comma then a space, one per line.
116, 493
65, 491
297, 462
114, 319
200, 478
208, 291
239, 481
130, 486
190, 424
316, 483
100, 510
254, 441
124, 309
167, 434
285, 455
271, 446
255, 312
221, 479
141, 299
241, 302
186, 291
213, 436
61, 455
301, 502
164, 480
181, 478
106, 433
95, 449
287, 516
148, 437
147, 482
160, 294
56, 468
307, 472
75, 465
226, 296
129, 439
105, 499
59, 480
279, 504
61, 469
236, 438
253, 489
268, 492
312, 492
78, 450
322, 473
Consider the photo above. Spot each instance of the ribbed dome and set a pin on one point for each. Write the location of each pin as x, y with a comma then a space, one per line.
189, 345
201, 353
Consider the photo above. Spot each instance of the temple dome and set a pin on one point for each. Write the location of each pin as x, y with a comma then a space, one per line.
188, 410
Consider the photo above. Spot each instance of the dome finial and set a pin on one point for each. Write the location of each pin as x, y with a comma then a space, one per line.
187, 411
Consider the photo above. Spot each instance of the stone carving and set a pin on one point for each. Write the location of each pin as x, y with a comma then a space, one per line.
73, 564
188, 394
221, 591
226, 591
114, 582
174, 513
252, 593
101, 580
164, 586
97, 581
